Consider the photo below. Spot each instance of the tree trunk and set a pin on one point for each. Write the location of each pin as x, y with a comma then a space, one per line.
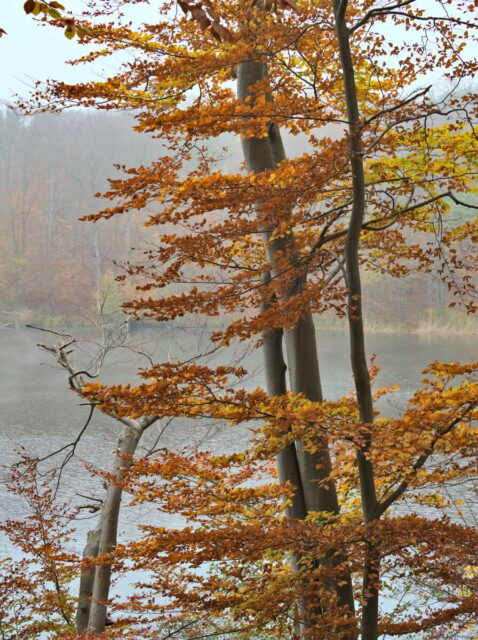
95, 583
300, 341
355, 316
127, 445
275, 372
87, 578
262, 154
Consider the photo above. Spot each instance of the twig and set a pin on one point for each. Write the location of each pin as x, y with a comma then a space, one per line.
152, 450
71, 453
56, 333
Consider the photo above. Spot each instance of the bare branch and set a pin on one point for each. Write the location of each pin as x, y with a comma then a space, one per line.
377, 12
72, 446
56, 333
417, 94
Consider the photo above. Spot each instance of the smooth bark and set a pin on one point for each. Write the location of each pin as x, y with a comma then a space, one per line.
127, 444
262, 154
95, 583
87, 578
275, 371
355, 317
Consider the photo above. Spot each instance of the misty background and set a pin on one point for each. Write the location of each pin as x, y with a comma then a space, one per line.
58, 271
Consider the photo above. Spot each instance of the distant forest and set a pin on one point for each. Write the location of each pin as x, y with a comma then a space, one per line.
59, 271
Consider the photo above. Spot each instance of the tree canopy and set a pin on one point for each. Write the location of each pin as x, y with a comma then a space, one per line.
384, 158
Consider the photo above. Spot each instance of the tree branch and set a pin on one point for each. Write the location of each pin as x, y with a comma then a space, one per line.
376, 12
418, 464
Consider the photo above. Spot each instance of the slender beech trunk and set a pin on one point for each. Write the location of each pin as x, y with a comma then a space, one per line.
355, 317
87, 578
288, 459
300, 342
275, 371
262, 154
95, 582
127, 444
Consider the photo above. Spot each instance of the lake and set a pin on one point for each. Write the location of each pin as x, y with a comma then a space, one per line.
40, 413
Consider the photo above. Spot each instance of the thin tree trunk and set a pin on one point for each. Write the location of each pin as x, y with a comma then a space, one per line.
275, 372
87, 578
261, 154
127, 444
95, 588
355, 313
304, 374
355, 317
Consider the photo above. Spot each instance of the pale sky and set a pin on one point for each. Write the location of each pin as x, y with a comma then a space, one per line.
31, 52
34, 51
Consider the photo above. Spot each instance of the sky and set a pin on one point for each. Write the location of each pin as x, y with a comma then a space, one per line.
30, 52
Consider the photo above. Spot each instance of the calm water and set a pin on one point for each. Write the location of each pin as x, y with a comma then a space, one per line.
40, 413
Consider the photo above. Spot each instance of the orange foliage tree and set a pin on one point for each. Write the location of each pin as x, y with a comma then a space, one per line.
35, 599
382, 158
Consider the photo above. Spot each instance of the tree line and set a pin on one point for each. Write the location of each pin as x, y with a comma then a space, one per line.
58, 269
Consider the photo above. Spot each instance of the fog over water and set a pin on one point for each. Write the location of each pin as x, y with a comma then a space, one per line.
40, 413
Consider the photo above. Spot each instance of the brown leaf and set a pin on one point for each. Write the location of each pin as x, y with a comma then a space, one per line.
29, 6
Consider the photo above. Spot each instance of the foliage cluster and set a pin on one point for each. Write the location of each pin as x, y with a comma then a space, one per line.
306, 555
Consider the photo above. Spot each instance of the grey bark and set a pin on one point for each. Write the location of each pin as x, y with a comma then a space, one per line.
87, 578
263, 154
287, 463
319, 492
95, 585
355, 317
355, 313
127, 444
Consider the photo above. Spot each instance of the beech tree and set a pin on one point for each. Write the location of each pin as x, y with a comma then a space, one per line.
269, 247
95, 582
35, 600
